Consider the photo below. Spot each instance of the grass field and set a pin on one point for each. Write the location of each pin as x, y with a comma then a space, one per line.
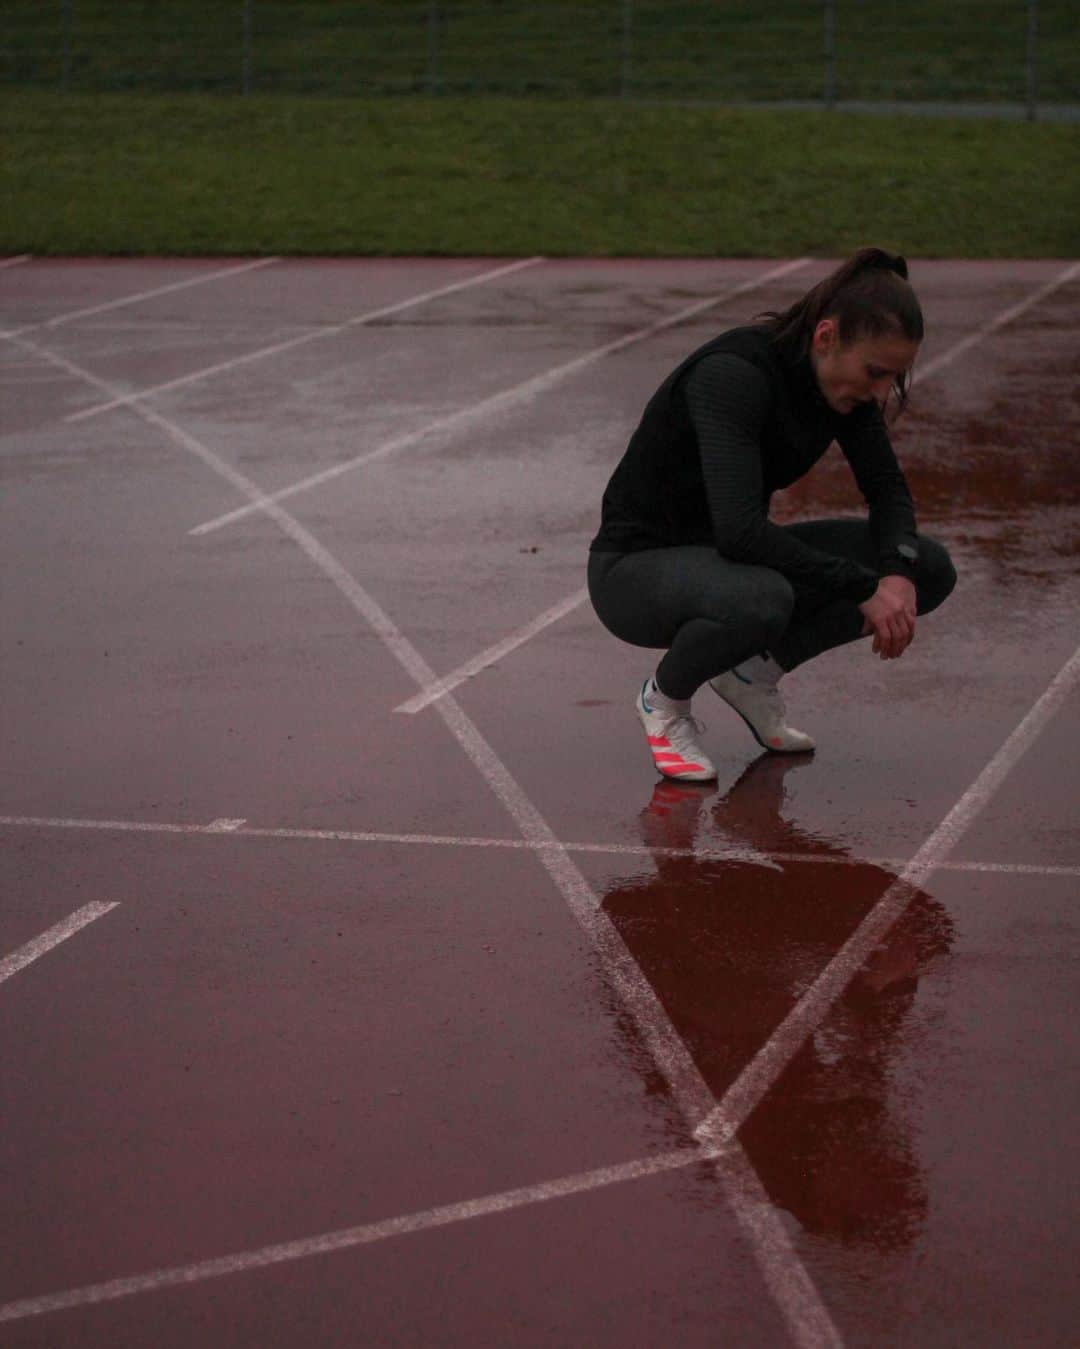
199, 174
740, 50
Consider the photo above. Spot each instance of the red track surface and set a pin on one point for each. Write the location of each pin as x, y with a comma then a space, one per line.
278, 1034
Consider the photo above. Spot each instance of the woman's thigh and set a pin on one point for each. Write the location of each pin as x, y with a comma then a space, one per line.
645, 598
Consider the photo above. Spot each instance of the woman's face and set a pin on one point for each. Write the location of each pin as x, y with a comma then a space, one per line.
859, 371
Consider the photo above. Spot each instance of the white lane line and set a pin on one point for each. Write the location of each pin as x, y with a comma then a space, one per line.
122, 400
75, 922
797, 1300
570, 602
735, 853
992, 325
236, 829
812, 1008
1004, 868
514, 396
785, 1275
494, 653
204, 279
323, 1244
15, 261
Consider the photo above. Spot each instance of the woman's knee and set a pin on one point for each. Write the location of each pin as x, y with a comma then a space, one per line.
937, 575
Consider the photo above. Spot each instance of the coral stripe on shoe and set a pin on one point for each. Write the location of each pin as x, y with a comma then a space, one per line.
671, 740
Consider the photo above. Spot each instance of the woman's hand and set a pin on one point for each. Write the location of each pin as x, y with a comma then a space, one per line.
890, 616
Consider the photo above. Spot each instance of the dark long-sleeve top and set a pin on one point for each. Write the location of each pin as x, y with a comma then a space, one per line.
735, 422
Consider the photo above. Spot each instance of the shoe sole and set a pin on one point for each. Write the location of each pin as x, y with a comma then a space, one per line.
684, 777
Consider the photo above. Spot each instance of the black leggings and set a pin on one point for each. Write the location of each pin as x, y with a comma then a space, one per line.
711, 614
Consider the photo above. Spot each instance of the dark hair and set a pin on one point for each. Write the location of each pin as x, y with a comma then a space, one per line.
868, 296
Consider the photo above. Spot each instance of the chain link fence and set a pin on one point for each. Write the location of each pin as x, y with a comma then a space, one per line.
989, 54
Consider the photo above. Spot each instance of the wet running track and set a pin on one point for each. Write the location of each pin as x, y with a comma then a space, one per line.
361, 984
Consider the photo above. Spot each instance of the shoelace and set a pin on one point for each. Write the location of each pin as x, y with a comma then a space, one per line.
687, 725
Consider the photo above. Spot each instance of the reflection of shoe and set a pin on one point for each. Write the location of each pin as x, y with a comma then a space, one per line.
760, 705
671, 737
764, 775
670, 818
751, 807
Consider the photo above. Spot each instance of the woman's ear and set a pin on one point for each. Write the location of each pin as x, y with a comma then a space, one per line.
826, 336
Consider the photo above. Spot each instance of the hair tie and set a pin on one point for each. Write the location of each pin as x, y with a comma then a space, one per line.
877, 260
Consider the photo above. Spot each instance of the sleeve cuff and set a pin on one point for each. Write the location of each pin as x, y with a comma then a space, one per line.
895, 565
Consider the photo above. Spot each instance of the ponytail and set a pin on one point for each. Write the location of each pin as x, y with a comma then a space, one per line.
868, 296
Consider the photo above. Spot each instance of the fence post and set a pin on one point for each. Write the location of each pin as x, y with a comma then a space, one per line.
1033, 60
626, 72
830, 53
65, 59
433, 47
245, 72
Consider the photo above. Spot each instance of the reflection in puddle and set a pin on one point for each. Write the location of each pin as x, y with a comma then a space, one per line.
729, 947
